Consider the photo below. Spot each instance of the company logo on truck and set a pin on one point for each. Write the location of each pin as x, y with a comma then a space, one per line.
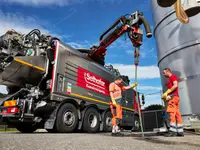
91, 81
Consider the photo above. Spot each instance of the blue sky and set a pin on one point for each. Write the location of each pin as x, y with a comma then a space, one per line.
79, 23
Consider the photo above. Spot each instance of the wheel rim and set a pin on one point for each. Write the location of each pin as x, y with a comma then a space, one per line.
92, 119
137, 125
69, 118
108, 122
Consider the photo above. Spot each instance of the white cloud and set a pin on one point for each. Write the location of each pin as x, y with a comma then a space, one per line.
23, 24
56, 2
17, 22
144, 72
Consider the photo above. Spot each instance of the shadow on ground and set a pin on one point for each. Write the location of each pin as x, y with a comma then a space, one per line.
159, 141
152, 139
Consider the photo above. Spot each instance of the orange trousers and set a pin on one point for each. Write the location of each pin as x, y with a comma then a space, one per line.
116, 114
176, 124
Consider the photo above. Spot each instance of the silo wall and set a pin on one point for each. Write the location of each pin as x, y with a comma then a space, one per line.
178, 48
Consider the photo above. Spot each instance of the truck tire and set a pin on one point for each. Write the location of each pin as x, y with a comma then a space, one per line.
136, 126
107, 122
67, 118
26, 128
91, 121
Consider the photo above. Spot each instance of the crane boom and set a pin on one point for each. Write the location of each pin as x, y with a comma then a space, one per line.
130, 25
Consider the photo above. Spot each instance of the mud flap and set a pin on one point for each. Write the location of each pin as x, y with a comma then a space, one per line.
49, 123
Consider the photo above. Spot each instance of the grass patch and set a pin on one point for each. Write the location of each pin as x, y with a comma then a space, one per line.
8, 130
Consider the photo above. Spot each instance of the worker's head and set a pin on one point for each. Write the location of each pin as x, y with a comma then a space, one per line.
118, 80
167, 72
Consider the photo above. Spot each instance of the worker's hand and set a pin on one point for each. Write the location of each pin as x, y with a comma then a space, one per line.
164, 96
134, 85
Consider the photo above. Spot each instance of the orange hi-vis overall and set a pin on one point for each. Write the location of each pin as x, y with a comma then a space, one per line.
117, 109
176, 124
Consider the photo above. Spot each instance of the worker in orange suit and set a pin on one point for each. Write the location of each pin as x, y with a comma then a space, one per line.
171, 96
115, 89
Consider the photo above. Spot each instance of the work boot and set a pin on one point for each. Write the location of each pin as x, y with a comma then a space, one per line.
117, 134
180, 134
118, 129
170, 134
114, 131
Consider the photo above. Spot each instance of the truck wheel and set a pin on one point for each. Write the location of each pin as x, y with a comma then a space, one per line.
67, 118
136, 126
26, 128
91, 122
107, 122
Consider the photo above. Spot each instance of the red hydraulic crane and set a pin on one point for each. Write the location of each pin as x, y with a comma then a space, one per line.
130, 25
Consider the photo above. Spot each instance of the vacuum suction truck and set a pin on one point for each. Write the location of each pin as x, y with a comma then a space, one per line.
56, 87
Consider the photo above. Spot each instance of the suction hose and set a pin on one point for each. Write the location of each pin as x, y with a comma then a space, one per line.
180, 12
146, 26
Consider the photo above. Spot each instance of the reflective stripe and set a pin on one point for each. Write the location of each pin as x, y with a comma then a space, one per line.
180, 125
116, 89
119, 97
180, 130
172, 129
117, 94
173, 125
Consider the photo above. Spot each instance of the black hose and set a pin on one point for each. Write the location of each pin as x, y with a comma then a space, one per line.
33, 31
146, 26
50, 50
51, 40
122, 18
36, 31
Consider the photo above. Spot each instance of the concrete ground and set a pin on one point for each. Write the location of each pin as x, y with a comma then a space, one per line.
100, 141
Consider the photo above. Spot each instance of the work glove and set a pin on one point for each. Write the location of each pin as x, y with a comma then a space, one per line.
164, 96
134, 85
114, 102
168, 98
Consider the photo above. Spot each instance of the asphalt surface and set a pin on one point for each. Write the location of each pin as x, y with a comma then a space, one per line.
100, 141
